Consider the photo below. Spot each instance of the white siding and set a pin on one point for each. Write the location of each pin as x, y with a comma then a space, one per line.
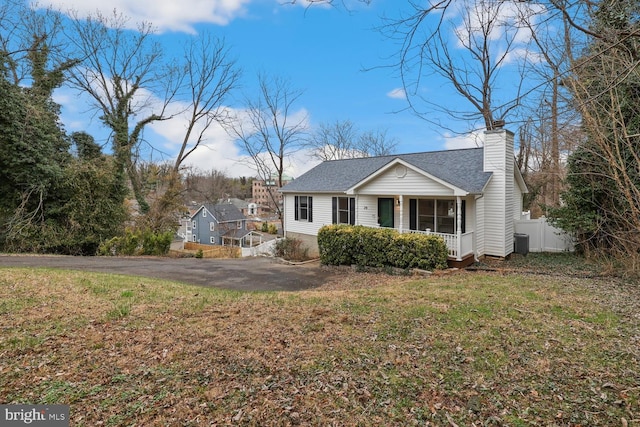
499, 205
517, 201
367, 210
321, 214
411, 184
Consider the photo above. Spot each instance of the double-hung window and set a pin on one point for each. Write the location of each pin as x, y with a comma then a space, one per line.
304, 208
343, 210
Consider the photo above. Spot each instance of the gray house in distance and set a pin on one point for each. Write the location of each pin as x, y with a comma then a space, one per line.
220, 224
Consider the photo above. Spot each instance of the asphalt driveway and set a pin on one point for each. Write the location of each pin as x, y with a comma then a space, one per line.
243, 274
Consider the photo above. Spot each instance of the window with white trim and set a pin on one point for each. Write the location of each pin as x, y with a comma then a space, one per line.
343, 210
303, 208
212, 226
437, 215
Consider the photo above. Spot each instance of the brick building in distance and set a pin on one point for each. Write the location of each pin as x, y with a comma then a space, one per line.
266, 194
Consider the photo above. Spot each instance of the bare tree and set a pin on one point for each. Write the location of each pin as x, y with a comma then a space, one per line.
124, 74
554, 116
376, 143
604, 83
210, 75
342, 140
24, 31
269, 130
469, 54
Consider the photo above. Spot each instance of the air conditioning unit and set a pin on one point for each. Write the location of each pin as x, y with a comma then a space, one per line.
521, 243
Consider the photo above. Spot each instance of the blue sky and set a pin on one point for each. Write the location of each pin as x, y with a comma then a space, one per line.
322, 51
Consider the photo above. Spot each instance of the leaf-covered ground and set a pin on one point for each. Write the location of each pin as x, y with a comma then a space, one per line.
463, 348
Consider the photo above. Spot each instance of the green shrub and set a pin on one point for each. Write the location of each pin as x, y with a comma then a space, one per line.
337, 244
427, 252
265, 227
380, 247
373, 246
272, 229
138, 242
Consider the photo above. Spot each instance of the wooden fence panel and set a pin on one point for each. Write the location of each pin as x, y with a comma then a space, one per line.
210, 251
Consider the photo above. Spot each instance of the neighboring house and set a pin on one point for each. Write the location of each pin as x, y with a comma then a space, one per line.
469, 197
221, 224
242, 205
184, 229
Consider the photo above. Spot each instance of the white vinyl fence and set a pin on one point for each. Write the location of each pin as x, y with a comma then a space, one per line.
544, 237
264, 249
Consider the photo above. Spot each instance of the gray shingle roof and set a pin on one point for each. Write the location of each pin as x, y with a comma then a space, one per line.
462, 168
225, 212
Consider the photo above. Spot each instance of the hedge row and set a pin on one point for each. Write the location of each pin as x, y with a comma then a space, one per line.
380, 247
138, 243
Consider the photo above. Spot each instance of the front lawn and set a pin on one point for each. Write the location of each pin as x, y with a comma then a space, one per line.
466, 348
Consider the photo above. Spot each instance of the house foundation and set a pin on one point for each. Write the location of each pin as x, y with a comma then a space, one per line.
463, 263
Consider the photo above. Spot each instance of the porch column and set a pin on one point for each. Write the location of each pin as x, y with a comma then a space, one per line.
459, 229
401, 200
356, 220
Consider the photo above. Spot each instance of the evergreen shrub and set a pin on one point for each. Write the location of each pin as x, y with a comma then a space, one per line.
380, 247
138, 242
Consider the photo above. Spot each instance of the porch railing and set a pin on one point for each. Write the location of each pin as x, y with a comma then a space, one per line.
451, 240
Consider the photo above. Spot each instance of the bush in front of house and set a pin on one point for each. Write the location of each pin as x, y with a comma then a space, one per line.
338, 244
291, 249
426, 252
380, 247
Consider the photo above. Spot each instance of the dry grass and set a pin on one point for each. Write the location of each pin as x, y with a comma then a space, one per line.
461, 349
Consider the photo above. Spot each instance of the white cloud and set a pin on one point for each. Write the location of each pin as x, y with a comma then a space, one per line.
223, 155
397, 93
218, 149
166, 15
510, 21
519, 55
470, 140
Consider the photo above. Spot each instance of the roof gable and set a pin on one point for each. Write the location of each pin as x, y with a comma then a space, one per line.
401, 169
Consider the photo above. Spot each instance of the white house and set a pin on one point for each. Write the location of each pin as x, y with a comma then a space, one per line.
469, 197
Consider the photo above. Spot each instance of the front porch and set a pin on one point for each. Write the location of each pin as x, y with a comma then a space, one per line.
460, 246
438, 216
